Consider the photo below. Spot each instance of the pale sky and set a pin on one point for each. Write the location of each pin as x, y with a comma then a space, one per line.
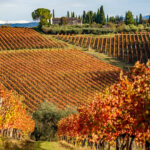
22, 9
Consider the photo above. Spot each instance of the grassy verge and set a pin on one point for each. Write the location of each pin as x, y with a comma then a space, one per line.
40, 145
56, 146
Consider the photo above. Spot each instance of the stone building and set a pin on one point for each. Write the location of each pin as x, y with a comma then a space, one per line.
70, 21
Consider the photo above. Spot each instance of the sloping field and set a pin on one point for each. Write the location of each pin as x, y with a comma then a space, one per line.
129, 47
24, 38
63, 77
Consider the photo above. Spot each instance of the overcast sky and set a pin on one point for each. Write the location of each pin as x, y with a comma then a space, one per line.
21, 9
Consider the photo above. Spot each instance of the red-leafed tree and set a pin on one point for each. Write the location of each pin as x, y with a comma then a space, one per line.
122, 114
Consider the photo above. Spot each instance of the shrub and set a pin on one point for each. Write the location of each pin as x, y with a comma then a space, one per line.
46, 119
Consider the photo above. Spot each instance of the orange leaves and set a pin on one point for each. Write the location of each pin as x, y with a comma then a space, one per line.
13, 114
124, 109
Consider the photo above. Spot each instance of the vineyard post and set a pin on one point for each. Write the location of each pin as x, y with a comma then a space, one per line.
110, 47
102, 44
118, 46
122, 46
114, 54
106, 45
94, 42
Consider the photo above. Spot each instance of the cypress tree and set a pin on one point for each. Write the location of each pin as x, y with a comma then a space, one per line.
84, 17
73, 15
129, 18
140, 19
107, 19
98, 16
90, 17
102, 16
68, 14
149, 20
137, 20
53, 13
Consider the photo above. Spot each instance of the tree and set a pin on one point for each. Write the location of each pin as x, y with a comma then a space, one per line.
102, 16
72, 15
68, 14
137, 20
90, 17
140, 19
112, 19
84, 16
43, 15
13, 115
98, 16
129, 18
46, 118
149, 20
121, 113
107, 18
53, 13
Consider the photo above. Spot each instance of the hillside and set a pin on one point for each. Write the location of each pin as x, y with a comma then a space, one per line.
64, 77
127, 47
24, 38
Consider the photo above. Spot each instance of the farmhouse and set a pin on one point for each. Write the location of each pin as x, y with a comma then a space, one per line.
70, 21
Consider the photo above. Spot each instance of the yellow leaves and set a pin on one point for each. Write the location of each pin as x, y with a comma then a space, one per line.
147, 112
13, 114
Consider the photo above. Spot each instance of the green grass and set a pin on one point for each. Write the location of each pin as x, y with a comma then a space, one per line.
47, 146
38, 145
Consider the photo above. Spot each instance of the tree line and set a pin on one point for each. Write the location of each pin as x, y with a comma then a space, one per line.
44, 16
100, 18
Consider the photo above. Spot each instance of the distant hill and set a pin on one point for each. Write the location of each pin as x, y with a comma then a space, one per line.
146, 17
29, 25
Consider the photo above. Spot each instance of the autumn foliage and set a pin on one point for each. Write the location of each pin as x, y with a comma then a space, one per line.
13, 114
123, 111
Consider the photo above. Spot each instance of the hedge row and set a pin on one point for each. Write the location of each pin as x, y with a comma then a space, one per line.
55, 30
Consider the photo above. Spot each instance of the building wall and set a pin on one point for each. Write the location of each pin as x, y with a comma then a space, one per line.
71, 21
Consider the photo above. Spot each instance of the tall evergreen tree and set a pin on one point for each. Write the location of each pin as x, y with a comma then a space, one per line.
94, 17
112, 19
121, 18
140, 19
73, 15
149, 20
79, 17
84, 16
137, 20
53, 13
129, 18
90, 17
98, 16
68, 14
107, 19
102, 16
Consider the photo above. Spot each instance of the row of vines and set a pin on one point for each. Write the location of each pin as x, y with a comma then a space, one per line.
118, 119
63, 77
129, 47
24, 38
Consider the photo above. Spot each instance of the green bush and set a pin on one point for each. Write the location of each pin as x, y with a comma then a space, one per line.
147, 29
46, 119
133, 28
94, 29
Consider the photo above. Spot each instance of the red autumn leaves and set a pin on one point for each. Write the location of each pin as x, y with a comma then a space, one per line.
124, 109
